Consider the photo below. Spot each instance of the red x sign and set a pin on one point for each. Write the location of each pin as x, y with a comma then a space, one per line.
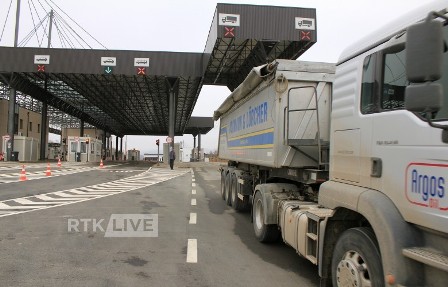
41, 68
306, 36
229, 32
141, 71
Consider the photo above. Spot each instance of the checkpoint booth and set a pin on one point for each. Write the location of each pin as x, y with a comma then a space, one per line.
25, 148
83, 149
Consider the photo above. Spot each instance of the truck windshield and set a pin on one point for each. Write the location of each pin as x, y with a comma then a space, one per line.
395, 82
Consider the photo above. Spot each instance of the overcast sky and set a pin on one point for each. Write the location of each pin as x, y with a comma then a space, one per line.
183, 26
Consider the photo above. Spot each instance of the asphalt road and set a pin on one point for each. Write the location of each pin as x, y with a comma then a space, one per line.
199, 240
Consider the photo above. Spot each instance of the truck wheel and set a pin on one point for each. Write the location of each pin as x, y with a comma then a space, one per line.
237, 203
223, 184
264, 232
357, 260
227, 188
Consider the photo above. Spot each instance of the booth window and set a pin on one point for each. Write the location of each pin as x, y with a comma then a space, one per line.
92, 148
73, 146
21, 124
31, 126
83, 147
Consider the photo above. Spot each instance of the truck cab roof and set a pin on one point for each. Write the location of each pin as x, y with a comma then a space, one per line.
384, 33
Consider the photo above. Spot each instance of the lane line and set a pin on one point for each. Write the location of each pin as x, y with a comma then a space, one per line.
192, 251
193, 201
193, 191
193, 218
193, 184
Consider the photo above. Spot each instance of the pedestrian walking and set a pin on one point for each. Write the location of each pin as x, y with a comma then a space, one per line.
172, 157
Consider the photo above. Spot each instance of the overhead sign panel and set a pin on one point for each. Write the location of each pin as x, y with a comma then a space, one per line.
305, 23
141, 62
108, 61
42, 59
229, 19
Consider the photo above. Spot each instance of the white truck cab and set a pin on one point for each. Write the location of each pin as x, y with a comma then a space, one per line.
389, 147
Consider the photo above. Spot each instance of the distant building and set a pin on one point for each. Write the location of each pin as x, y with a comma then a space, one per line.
152, 157
27, 131
194, 154
133, 154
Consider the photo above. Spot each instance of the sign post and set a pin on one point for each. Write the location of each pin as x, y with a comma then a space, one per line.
158, 151
7, 142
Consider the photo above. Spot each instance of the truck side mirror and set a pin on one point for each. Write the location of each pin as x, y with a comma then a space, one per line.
426, 97
424, 51
424, 57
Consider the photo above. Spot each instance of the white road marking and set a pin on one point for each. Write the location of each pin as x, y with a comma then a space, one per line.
192, 251
25, 201
33, 175
95, 193
47, 198
66, 195
193, 180
193, 184
193, 218
4, 206
80, 194
193, 191
193, 201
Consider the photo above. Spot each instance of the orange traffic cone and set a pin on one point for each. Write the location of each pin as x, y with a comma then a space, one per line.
59, 162
48, 173
101, 163
23, 174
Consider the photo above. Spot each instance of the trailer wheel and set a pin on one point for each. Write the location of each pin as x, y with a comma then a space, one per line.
227, 188
264, 232
223, 184
357, 260
236, 202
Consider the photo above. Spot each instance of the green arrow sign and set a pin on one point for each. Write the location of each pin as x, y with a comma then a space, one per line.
108, 70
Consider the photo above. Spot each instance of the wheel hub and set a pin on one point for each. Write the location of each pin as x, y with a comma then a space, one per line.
347, 274
259, 214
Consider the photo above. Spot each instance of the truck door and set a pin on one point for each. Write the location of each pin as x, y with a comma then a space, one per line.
352, 120
413, 159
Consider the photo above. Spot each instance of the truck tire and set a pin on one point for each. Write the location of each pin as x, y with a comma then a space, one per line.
357, 260
223, 184
227, 188
236, 202
263, 232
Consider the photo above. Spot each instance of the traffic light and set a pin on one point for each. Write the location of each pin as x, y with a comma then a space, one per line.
157, 141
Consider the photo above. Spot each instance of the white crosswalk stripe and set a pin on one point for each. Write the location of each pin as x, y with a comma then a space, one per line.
69, 196
25, 201
33, 175
94, 192
49, 198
